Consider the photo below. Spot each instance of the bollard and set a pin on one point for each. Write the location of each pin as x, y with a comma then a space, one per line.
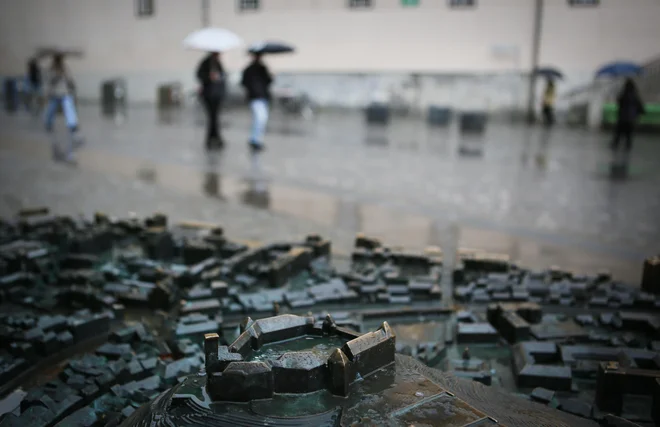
113, 96
11, 94
651, 275
170, 95
438, 116
473, 122
377, 113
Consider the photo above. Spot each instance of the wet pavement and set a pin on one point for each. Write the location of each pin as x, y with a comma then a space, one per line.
542, 197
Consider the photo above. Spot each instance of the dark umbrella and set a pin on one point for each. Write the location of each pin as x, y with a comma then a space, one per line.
550, 73
618, 69
271, 47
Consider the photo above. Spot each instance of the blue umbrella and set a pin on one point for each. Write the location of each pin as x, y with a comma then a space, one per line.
270, 47
549, 72
619, 69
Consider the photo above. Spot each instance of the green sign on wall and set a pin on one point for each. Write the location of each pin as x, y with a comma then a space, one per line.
409, 2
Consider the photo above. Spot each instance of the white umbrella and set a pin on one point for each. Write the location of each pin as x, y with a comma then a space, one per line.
212, 40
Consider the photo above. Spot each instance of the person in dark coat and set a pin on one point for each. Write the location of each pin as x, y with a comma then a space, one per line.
630, 109
34, 81
256, 81
548, 106
211, 75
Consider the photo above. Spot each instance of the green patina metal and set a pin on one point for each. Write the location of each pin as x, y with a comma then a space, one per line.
323, 346
651, 118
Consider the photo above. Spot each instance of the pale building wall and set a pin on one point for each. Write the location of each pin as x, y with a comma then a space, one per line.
466, 58
387, 37
114, 41
584, 38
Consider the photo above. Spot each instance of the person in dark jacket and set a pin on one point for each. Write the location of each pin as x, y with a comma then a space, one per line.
630, 109
548, 106
34, 85
211, 76
256, 81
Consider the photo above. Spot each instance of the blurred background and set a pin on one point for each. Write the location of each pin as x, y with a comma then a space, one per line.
419, 121
459, 53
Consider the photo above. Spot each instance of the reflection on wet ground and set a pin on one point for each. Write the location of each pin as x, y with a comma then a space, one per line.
542, 196
256, 194
212, 184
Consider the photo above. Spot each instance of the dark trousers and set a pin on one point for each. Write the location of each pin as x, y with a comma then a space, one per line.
548, 115
623, 130
212, 107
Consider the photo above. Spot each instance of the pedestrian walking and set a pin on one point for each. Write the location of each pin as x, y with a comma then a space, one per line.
630, 109
548, 106
211, 76
256, 81
60, 89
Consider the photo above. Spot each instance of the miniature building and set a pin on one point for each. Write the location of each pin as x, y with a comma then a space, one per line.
531, 366
231, 376
480, 261
295, 261
476, 333
656, 401
319, 245
651, 275
615, 379
513, 327
512, 319
529, 311
303, 370
470, 368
